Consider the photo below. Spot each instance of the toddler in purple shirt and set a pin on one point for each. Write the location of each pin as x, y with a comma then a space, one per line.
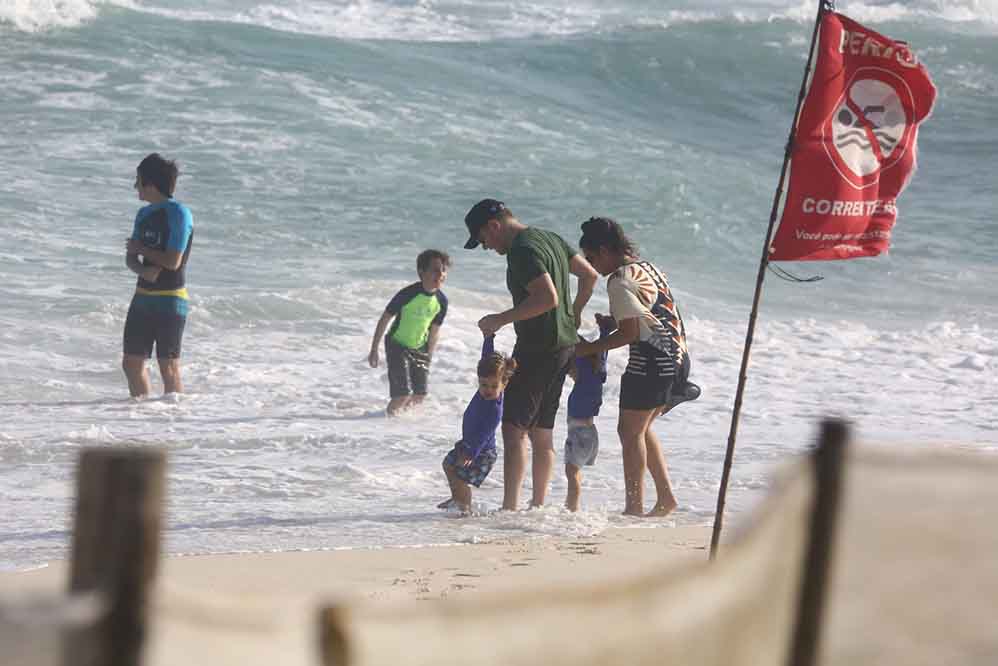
472, 458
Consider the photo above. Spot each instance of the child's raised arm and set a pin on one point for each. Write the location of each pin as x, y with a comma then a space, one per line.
379, 332
488, 345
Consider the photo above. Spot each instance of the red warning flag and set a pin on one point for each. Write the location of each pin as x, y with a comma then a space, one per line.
855, 145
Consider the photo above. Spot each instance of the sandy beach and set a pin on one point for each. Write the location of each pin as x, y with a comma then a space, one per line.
261, 608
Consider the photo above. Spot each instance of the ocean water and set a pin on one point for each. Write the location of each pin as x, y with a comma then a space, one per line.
324, 144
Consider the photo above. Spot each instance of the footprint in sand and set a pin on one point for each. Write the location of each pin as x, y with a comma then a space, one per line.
583, 547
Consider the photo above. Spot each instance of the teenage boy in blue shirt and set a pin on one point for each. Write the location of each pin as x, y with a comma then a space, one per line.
157, 251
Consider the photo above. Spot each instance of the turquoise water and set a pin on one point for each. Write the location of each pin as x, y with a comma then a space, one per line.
322, 145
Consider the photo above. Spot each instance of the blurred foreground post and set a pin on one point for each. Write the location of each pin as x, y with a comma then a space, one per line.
116, 538
827, 461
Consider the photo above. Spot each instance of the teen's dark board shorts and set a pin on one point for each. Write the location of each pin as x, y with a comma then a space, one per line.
533, 394
145, 328
479, 469
408, 369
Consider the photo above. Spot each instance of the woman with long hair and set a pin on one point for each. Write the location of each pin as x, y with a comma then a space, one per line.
656, 378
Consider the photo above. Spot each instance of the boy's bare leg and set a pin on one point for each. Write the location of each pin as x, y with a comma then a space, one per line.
574, 476
462, 496
415, 400
451, 477
631, 427
396, 405
542, 463
169, 369
514, 461
460, 491
665, 501
136, 374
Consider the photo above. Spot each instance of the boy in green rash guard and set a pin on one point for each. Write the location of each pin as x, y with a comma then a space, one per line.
418, 310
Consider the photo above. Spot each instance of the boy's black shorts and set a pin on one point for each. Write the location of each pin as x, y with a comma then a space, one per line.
145, 328
408, 369
534, 393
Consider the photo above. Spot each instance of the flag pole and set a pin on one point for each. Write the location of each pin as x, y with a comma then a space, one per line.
824, 6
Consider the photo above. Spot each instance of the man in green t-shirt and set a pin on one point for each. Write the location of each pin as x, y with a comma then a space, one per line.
546, 320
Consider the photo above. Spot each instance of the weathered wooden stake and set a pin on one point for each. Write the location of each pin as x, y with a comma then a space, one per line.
115, 552
828, 462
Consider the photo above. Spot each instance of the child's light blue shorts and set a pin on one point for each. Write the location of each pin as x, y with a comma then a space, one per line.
581, 445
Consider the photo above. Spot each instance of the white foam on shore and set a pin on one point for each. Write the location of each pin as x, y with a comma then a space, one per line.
281, 442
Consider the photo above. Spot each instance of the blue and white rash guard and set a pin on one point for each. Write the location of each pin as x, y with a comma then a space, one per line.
162, 226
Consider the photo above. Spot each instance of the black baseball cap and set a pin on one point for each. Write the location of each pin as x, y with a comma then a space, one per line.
478, 217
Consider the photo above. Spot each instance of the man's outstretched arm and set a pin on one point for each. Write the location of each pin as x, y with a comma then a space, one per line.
541, 297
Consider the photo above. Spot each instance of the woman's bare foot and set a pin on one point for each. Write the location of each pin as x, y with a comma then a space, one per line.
633, 512
661, 509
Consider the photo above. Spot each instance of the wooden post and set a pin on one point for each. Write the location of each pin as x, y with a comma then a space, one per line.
115, 552
334, 644
828, 462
